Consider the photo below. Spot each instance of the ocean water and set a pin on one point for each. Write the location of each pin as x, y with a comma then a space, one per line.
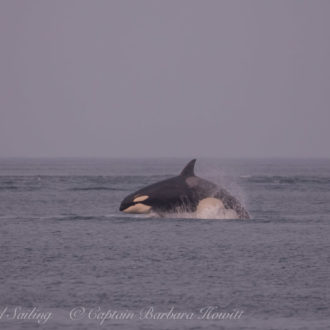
71, 260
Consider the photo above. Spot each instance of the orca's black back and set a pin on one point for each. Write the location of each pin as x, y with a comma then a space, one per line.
169, 194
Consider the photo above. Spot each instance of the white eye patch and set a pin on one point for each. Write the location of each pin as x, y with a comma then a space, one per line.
140, 198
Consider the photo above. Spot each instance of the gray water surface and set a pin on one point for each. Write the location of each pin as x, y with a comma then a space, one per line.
65, 246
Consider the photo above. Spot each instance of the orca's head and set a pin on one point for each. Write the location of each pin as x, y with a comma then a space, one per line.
135, 204
144, 199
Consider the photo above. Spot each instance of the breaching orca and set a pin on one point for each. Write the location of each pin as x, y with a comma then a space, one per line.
185, 193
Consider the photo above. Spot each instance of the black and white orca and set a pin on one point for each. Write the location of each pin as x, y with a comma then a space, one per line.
185, 193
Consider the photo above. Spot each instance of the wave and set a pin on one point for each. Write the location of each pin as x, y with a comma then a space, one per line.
56, 217
278, 179
17, 188
210, 213
95, 188
10, 188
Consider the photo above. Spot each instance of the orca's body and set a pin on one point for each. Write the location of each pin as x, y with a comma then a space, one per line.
183, 193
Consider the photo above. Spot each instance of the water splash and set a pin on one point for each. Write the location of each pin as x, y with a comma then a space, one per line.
224, 177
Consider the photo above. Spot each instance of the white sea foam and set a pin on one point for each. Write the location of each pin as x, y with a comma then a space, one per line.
208, 210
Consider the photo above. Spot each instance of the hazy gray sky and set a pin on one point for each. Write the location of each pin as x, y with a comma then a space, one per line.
155, 78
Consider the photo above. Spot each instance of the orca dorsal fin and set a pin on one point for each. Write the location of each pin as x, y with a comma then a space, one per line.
189, 169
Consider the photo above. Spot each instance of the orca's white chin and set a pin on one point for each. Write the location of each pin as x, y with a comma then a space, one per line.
138, 208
